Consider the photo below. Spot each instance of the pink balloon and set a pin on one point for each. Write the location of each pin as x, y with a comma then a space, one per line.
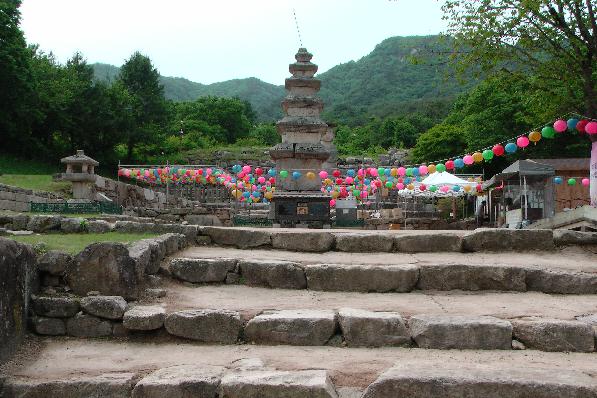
468, 160
591, 128
585, 182
323, 174
445, 189
522, 141
373, 172
364, 194
423, 170
332, 202
261, 180
400, 186
401, 171
349, 180
422, 187
560, 126
361, 173
246, 169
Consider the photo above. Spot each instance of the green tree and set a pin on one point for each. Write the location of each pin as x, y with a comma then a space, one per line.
147, 106
439, 142
15, 79
265, 134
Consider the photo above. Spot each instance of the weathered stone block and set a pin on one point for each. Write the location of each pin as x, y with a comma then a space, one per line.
41, 224
275, 274
433, 242
113, 385
555, 335
303, 241
55, 307
243, 238
83, 325
471, 277
19, 222
492, 239
98, 227
563, 237
54, 262
49, 326
292, 327
208, 326
197, 381
561, 281
461, 332
374, 329
109, 307
351, 242
107, 268
203, 219
424, 380
73, 225
362, 278
144, 317
202, 270
277, 384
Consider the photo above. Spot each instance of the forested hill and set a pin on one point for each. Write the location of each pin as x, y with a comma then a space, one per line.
401, 75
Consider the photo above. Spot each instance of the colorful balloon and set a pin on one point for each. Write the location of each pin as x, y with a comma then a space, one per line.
478, 157
557, 180
572, 181
498, 150
585, 182
572, 124
591, 128
440, 168
548, 132
450, 165
468, 160
522, 142
459, 163
534, 136
510, 147
487, 155
323, 174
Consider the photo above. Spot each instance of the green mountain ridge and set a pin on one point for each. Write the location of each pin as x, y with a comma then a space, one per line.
401, 75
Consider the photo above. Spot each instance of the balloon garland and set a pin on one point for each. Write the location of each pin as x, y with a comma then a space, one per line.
248, 184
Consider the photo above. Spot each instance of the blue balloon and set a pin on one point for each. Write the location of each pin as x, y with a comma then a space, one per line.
558, 180
350, 173
255, 194
407, 180
367, 181
458, 163
387, 172
415, 171
246, 195
572, 123
271, 172
456, 188
296, 175
511, 147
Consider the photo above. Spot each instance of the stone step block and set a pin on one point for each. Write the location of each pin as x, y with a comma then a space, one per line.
455, 380
292, 327
243, 238
109, 307
208, 326
181, 381
461, 332
113, 385
83, 325
372, 329
197, 270
49, 326
354, 242
560, 281
144, 317
274, 274
471, 277
426, 243
555, 335
277, 384
503, 239
362, 278
303, 241
55, 307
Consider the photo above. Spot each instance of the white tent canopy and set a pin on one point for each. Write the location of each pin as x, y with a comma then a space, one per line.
446, 178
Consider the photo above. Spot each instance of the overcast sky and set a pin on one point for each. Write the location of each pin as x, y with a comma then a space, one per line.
213, 40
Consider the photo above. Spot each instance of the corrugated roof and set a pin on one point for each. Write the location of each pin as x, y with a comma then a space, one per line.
570, 164
529, 168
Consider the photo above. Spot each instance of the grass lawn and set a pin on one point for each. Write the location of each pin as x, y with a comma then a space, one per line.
37, 182
74, 243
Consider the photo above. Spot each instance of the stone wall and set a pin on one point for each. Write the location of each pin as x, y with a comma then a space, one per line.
129, 195
19, 199
18, 279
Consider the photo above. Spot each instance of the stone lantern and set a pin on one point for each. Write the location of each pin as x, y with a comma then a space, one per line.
80, 170
302, 150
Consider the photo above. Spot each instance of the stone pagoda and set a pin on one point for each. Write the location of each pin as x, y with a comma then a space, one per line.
299, 201
80, 170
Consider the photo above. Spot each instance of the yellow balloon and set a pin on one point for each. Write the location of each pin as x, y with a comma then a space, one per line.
310, 175
327, 181
534, 136
335, 194
268, 195
467, 188
410, 186
478, 157
431, 168
394, 172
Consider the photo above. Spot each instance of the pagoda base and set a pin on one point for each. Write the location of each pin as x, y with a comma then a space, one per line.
301, 208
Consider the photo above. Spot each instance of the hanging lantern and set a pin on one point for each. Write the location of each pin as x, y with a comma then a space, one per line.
522, 142
572, 181
450, 165
548, 132
487, 155
431, 168
468, 160
534, 136
498, 150
585, 182
591, 128
478, 157
510, 147
572, 124
580, 126
560, 126
440, 168
459, 163
558, 180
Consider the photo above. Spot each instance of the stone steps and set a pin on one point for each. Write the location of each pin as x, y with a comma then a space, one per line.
397, 277
479, 240
97, 368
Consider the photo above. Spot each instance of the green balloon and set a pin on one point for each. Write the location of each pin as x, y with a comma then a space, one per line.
388, 184
381, 171
440, 168
548, 132
283, 173
488, 154
409, 172
571, 181
433, 188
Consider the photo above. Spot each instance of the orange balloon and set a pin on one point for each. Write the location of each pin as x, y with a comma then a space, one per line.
431, 169
534, 136
478, 157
